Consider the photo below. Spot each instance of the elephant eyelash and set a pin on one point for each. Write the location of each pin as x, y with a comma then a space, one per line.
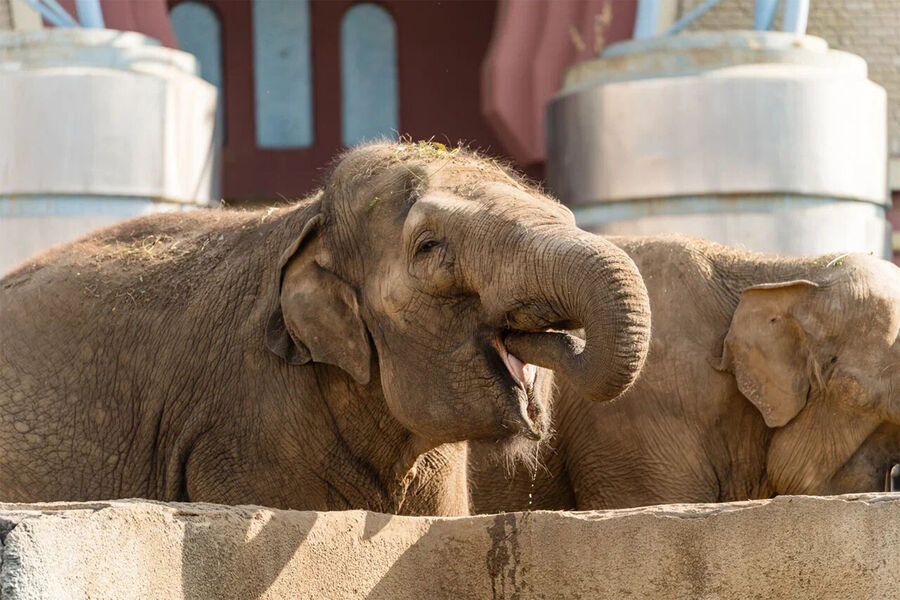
427, 246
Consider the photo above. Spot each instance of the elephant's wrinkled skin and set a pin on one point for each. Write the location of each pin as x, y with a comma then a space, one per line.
765, 376
309, 357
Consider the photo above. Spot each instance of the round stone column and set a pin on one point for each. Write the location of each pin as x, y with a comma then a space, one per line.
765, 140
97, 126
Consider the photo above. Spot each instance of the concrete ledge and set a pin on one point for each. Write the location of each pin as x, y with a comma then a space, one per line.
789, 547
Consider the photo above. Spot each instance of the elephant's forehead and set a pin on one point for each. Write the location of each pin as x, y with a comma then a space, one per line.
886, 281
874, 286
491, 197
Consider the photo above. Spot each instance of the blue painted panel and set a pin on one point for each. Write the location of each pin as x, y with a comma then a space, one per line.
79, 206
283, 68
369, 105
198, 31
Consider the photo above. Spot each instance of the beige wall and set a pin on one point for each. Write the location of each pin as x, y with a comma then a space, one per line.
790, 547
6, 18
15, 14
869, 28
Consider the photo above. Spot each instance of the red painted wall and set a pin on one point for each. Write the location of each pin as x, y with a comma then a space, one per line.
440, 49
150, 17
534, 42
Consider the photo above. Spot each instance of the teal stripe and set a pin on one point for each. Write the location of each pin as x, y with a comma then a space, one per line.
692, 205
198, 32
74, 205
282, 60
369, 87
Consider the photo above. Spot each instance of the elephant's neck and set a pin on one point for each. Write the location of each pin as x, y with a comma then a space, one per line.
377, 464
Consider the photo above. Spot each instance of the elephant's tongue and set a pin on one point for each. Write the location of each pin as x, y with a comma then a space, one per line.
522, 372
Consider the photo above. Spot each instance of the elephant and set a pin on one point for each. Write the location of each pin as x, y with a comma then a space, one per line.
766, 375
335, 353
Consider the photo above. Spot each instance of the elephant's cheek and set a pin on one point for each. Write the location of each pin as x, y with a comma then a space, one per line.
868, 470
794, 465
543, 396
402, 394
855, 479
805, 454
432, 407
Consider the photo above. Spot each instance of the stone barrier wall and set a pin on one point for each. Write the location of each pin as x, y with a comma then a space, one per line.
789, 547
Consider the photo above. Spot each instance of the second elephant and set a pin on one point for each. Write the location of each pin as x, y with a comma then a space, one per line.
765, 376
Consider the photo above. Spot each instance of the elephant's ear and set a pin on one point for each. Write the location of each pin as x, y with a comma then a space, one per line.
316, 317
767, 349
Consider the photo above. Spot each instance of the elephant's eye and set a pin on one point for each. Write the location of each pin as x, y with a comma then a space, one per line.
427, 246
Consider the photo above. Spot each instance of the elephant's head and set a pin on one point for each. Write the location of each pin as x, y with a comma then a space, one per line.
820, 360
452, 279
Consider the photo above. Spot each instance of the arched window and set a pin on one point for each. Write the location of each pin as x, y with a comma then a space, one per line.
282, 61
198, 31
369, 107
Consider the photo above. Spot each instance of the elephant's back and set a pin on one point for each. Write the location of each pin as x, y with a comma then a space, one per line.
99, 337
147, 243
139, 289
149, 265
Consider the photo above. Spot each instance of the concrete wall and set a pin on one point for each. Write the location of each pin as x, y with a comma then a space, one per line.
791, 547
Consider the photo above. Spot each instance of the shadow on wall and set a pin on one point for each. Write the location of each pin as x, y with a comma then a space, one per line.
250, 552
254, 549
791, 546
433, 566
259, 553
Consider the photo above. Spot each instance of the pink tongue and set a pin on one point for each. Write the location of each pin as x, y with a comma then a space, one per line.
516, 367
524, 373
530, 373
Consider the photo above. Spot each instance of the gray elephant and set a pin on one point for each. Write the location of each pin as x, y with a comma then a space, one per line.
765, 376
315, 356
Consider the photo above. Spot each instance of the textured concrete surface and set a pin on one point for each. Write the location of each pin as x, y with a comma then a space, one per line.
790, 547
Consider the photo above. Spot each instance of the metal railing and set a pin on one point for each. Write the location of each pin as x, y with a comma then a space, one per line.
90, 14
793, 18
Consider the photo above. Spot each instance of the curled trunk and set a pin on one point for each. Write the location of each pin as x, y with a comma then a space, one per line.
585, 281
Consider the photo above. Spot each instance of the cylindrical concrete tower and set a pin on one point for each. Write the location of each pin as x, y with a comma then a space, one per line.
97, 126
765, 140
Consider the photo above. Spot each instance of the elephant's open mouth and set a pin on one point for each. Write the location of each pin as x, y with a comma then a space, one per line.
523, 376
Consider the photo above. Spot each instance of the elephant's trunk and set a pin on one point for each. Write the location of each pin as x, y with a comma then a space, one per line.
587, 281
